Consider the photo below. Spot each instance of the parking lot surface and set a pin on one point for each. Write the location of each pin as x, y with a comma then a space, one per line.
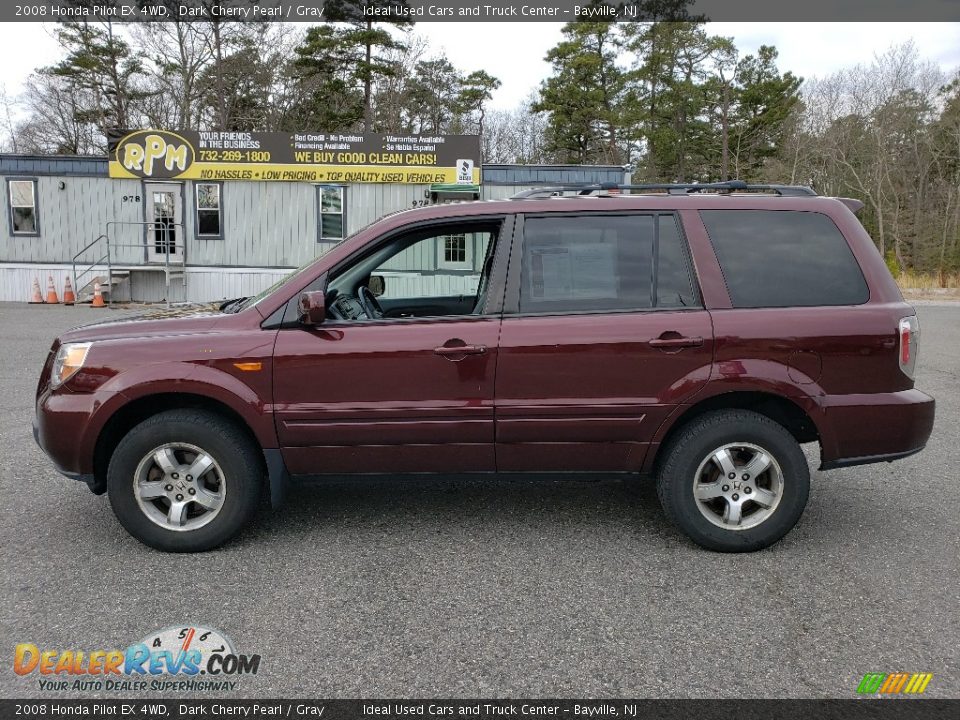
494, 588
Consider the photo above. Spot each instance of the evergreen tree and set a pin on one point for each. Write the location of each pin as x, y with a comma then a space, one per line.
370, 41
324, 64
764, 101
476, 89
584, 95
100, 71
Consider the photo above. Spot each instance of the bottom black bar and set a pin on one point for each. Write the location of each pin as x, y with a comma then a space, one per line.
165, 709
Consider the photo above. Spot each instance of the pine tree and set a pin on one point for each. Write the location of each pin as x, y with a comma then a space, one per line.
584, 95
101, 71
371, 40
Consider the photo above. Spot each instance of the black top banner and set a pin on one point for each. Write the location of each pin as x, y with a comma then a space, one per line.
855, 11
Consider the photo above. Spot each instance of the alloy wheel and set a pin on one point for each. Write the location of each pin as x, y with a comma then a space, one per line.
179, 486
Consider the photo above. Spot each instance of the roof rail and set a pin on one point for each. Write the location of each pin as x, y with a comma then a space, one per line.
608, 189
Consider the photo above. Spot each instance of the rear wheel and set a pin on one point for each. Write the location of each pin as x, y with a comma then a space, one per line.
734, 481
184, 481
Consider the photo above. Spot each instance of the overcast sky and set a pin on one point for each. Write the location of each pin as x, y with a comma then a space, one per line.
514, 52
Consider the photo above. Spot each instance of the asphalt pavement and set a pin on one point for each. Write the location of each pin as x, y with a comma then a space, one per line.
495, 588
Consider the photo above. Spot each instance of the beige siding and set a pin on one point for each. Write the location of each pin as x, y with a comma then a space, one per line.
269, 224
69, 218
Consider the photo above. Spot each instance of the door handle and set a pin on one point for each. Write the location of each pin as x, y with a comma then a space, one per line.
455, 350
676, 342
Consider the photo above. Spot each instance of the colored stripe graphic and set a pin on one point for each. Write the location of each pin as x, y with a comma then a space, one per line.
918, 683
894, 683
871, 683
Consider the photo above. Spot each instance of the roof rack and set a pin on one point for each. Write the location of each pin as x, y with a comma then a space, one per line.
613, 189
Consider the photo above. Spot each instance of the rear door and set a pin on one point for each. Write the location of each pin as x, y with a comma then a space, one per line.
604, 332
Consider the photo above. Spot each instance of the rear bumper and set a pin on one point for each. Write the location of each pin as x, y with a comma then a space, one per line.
861, 429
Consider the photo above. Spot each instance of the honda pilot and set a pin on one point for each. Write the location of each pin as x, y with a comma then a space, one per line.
697, 335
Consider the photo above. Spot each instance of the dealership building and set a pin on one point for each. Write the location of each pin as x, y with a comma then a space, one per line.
211, 232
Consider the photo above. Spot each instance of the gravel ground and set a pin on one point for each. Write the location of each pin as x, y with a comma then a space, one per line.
494, 588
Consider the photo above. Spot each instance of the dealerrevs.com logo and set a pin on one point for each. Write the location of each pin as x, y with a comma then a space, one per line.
179, 658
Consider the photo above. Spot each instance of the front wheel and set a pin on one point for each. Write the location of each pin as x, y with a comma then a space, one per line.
184, 481
734, 481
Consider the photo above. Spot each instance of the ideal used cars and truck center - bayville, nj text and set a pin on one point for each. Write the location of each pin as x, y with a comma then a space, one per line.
289, 11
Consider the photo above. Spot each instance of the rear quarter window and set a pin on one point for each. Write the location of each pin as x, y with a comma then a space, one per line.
784, 258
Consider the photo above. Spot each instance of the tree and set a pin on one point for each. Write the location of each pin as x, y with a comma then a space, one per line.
176, 55
101, 71
476, 89
373, 39
55, 121
324, 66
584, 95
515, 136
669, 97
434, 90
763, 101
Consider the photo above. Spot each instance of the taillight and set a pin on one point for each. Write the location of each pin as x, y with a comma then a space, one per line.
909, 344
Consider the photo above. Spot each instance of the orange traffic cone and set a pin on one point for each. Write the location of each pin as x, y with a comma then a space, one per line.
97, 296
69, 298
36, 297
52, 298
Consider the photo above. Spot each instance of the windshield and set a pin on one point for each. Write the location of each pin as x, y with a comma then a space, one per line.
254, 299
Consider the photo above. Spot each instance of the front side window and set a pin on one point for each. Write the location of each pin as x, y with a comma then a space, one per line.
23, 206
405, 276
331, 213
784, 258
209, 218
437, 266
603, 262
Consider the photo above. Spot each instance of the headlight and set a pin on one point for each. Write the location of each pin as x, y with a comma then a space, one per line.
70, 358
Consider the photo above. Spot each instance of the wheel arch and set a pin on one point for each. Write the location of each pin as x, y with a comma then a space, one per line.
129, 415
782, 410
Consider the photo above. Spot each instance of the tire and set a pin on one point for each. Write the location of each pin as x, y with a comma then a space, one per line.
741, 513
161, 504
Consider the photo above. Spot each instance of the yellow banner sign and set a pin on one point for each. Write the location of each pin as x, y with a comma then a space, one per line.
298, 157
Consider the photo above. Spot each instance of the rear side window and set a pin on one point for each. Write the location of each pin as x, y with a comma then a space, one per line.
784, 258
603, 262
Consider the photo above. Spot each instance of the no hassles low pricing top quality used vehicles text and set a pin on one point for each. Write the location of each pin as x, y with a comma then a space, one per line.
698, 334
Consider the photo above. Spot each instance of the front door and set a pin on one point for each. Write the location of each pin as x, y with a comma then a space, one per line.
603, 335
408, 386
164, 222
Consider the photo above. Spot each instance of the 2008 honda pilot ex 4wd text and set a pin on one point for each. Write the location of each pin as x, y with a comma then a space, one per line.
698, 334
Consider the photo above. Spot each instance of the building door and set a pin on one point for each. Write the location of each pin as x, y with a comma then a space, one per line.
164, 217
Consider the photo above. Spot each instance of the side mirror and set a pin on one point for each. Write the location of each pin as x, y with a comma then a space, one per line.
312, 308
377, 285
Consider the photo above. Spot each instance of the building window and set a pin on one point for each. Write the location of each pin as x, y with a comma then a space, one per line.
23, 207
455, 252
331, 213
209, 212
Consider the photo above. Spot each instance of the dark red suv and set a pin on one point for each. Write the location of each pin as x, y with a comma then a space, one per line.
698, 334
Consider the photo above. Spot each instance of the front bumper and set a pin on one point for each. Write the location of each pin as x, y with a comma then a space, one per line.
883, 427
87, 478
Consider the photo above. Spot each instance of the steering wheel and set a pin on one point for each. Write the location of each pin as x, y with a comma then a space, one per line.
370, 303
